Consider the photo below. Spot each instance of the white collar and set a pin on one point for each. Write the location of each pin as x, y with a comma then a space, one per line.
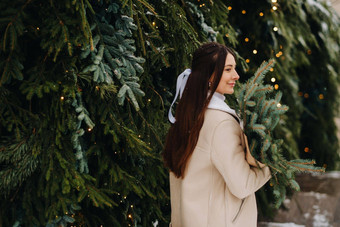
217, 102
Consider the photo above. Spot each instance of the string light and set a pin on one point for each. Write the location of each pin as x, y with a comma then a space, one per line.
274, 8
149, 100
278, 105
306, 95
271, 69
279, 54
275, 29
89, 129
38, 28
276, 86
229, 7
154, 23
254, 51
227, 35
306, 149
247, 60
244, 12
129, 216
309, 52
62, 98
273, 79
246, 39
274, 1
97, 87
300, 93
321, 96
261, 14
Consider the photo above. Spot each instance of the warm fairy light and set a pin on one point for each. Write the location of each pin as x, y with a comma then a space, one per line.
62, 98
306, 95
278, 105
271, 69
274, 8
154, 23
89, 129
227, 35
131, 206
306, 149
246, 39
273, 79
321, 96
309, 52
275, 29
247, 60
261, 14
229, 7
149, 100
97, 87
244, 12
276, 86
129, 216
274, 1
300, 93
254, 51
38, 28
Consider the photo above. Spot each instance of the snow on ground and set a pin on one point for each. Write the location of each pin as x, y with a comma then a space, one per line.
273, 224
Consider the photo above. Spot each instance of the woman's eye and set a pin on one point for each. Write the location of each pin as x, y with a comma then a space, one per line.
228, 70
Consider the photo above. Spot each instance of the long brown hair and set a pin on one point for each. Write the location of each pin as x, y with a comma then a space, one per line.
207, 65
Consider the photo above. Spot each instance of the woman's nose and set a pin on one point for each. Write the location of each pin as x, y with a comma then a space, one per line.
236, 76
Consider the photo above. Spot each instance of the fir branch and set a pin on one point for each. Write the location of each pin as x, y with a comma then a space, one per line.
263, 69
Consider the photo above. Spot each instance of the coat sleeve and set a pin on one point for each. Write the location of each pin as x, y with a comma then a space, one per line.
228, 156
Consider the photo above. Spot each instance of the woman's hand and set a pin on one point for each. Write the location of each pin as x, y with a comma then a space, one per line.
250, 159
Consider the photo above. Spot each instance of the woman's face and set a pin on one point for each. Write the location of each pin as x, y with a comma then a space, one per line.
229, 76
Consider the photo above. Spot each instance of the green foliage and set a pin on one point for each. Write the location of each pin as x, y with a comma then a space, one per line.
261, 112
84, 89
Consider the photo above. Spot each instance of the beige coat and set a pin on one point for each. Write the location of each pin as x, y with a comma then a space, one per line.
219, 186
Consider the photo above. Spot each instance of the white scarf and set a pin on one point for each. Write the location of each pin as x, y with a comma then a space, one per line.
217, 101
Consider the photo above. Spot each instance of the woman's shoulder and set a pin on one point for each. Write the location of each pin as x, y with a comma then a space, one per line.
213, 116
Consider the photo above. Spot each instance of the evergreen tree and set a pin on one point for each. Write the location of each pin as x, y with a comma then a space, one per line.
84, 91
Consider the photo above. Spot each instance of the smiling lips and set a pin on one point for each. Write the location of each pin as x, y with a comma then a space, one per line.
231, 84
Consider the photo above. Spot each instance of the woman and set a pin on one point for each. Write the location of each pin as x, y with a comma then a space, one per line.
212, 178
